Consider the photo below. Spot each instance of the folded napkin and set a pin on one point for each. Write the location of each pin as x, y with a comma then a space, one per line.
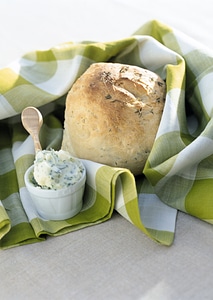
178, 174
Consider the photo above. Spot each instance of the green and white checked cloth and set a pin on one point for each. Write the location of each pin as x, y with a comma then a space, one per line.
179, 171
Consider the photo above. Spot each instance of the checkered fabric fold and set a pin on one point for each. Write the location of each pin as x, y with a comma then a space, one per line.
178, 174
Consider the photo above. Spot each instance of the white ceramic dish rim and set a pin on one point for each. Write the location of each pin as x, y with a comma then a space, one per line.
49, 192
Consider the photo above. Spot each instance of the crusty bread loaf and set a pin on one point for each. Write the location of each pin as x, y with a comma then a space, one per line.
112, 115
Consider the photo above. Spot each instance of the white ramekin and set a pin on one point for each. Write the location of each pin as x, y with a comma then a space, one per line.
58, 204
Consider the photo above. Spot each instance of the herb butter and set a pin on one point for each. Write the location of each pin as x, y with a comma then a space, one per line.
56, 169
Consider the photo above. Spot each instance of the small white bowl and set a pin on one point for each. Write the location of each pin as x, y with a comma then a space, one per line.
58, 204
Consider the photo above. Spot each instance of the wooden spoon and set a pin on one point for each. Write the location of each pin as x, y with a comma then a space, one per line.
32, 121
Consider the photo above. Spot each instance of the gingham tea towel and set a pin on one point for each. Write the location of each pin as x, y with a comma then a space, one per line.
178, 173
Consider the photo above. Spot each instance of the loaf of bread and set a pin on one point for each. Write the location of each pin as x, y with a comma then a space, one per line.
112, 115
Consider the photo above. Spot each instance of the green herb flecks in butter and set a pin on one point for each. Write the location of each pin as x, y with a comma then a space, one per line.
56, 169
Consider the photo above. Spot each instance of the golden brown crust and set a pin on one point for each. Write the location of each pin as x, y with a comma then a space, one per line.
112, 115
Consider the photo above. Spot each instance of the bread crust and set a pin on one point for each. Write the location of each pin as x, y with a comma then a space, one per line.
112, 115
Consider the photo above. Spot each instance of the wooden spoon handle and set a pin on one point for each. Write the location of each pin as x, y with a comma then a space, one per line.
32, 121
